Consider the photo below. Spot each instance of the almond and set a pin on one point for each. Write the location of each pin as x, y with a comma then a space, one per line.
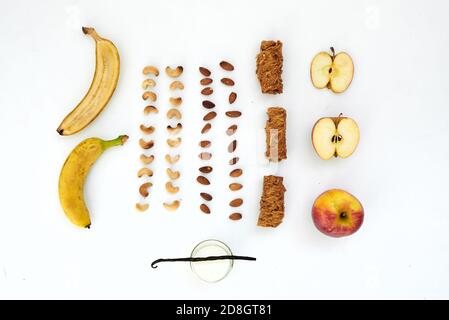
232, 97
227, 81
234, 161
207, 91
235, 186
206, 196
205, 155
206, 81
202, 180
231, 130
206, 169
206, 128
204, 208
205, 144
208, 104
204, 71
236, 202
232, 146
210, 116
233, 114
235, 216
236, 173
226, 66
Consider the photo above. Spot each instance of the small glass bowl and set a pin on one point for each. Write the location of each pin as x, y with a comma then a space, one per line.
211, 271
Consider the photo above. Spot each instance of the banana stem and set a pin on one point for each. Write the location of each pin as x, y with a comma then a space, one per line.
91, 32
120, 140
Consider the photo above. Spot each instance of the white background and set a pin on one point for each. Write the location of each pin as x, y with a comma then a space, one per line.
400, 173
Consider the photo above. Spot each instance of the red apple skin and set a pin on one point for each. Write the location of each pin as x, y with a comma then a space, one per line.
327, 209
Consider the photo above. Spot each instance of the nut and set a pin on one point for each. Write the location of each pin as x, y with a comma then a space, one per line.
144, 172
150, 109
143, 189
236, 173
235, 186
174, 113
232, 146
174, 73
204, 71
206, 196
172, 206
233, 114
147, 130
205, 155
234, 161
210, 116
174, 130
232, 97
226, 66
236, 202
173, 174
142, 207
205, 144
235, 216
231, 130
175, 101
206, 81
170, 188
206, 169
206, 128
148, 83
227, 82
146, 144
203, 180
174, 142
176, 85
207, 91
208, 104
150, 69
172, 160
149, 94
204, 208
146, 159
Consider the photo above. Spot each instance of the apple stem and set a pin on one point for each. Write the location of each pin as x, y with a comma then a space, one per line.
341, 113
333, 53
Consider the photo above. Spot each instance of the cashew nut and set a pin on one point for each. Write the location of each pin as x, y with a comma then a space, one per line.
148, 83
174, 142
143, 189
146, 159
174, 113
149, 94
174, 130
177, 85
172, 206
175, 101
171, 188
142, 207
146, 144
147, 130
172, 160
173, 174
144, 172
150, 69
150, 109
174, 73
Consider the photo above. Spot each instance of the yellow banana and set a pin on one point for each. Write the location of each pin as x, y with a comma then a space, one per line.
103, 85
73, 174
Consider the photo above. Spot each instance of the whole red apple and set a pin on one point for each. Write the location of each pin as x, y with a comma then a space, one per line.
337, 213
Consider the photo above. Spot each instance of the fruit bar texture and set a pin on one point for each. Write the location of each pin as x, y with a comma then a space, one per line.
269, 67
275, 129
272, 202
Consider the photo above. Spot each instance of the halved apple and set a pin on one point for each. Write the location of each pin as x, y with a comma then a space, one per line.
337, 137
332, 71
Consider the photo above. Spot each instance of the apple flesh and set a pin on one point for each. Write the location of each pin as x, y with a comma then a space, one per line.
337, 213
334, 71
337, 137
